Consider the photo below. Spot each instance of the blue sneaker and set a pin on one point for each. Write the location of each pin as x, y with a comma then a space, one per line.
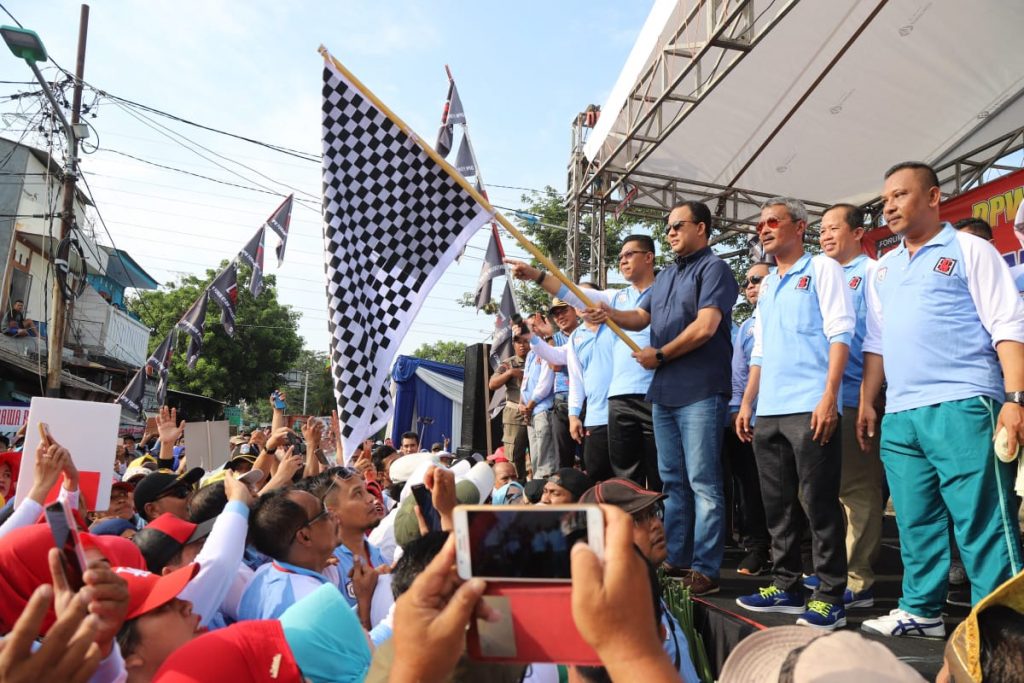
811, 582
823, 616
864, 598
773, 599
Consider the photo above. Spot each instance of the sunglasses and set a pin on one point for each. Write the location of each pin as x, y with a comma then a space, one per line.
672, 227
180, 491
772, 222
753, 280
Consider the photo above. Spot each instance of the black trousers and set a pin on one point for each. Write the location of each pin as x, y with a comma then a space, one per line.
568, 449
595, 454
631, 447
797, 472
743, 503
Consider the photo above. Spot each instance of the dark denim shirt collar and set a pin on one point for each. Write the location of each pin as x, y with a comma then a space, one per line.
683, 261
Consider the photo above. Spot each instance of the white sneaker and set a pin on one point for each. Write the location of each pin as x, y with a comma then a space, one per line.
901, 623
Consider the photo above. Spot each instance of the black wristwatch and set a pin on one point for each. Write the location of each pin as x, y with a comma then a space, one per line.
1015, 397
660, 357
540, 278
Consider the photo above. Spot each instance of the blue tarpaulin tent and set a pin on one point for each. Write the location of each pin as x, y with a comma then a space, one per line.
427, 389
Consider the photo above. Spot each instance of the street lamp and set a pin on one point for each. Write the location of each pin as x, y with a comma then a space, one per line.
27, 45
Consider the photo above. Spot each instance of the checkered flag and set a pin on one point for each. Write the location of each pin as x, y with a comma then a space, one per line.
395, 217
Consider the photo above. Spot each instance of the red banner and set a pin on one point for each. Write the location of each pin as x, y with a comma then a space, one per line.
995, 202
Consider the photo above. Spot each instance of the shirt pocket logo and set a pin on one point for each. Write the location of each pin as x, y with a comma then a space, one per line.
804, 283
855, 282
945, 266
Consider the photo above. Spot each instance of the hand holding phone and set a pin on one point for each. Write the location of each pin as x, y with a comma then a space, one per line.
425, 503
278, 399
524, 543
69, 545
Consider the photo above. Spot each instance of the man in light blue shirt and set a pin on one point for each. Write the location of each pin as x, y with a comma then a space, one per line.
805, 322
860, 489
629, 413
536, 399
946, 333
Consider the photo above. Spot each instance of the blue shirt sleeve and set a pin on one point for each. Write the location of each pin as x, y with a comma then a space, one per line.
718, 288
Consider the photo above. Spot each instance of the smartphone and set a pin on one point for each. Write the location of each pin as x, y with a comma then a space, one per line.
65, 537
524, 543
426, 503
279, 402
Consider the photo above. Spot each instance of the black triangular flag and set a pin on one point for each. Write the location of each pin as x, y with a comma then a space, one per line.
252, 254
132, 396
279, 223
194, 323
224, 290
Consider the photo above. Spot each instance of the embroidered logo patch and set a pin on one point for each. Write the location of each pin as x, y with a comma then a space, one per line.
880, 275
945, 265
804, 282
855, 282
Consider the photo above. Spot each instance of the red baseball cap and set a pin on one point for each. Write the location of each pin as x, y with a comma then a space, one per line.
246, 652
147, 591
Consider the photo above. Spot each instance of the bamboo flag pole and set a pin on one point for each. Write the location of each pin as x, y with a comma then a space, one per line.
547, 263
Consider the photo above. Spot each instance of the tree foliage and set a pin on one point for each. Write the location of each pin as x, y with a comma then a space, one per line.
320, 388
266, 343
450, 352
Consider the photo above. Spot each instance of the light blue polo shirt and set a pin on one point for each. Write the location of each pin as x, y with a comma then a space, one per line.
742, 349
856, 273
561, 376
936, 318
629, 377
590, 373
799, 316
275, 587
345, 562
529, 386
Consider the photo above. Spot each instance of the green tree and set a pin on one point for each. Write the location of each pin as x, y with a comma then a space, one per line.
450, 352
266, 343
320, 389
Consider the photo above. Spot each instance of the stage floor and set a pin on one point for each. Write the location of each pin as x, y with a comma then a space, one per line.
924, 654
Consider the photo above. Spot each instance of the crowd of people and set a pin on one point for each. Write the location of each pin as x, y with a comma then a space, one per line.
852, 380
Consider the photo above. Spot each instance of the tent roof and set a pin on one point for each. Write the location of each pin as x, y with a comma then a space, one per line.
771, 102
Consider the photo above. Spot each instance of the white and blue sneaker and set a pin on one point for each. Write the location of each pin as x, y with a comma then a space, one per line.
823, 616
773, 599
864, 598
811, 582
902, 623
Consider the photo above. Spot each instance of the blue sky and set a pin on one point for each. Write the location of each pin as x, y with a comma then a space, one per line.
524, 70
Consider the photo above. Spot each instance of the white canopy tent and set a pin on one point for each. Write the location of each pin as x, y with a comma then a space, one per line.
743, 99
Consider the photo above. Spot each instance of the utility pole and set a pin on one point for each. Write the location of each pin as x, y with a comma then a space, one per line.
55, 342
305, 394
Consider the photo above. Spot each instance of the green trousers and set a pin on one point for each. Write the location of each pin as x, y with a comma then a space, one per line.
942, 470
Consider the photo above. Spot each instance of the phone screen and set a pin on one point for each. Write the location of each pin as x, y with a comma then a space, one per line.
279, 402
66, 539
423, 498
506, 543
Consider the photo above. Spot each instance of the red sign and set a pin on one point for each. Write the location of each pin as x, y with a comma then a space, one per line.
995, 202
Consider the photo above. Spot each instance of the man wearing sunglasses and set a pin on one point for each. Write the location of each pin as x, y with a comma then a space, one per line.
164, 491
739, 456
805, 321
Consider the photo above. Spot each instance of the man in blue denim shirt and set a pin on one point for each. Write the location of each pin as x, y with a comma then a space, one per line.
689, 311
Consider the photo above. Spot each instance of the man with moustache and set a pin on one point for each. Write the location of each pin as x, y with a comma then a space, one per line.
946, 333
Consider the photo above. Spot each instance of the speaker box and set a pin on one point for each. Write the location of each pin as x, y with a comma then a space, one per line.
474, 405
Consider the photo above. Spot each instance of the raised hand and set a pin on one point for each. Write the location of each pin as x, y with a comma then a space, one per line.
168, 427
51, 459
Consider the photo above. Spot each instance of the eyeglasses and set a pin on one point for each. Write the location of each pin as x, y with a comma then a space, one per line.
672, 227
647, 515
753, 280
179, 491
629, 254
317, 517
772, 222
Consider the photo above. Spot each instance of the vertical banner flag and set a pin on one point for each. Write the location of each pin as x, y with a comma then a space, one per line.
194, 323
451, 115
501, 343
224, 290
252, 254
395, 217
493, 267
160, 363
132, 396
464, 161
279, 223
